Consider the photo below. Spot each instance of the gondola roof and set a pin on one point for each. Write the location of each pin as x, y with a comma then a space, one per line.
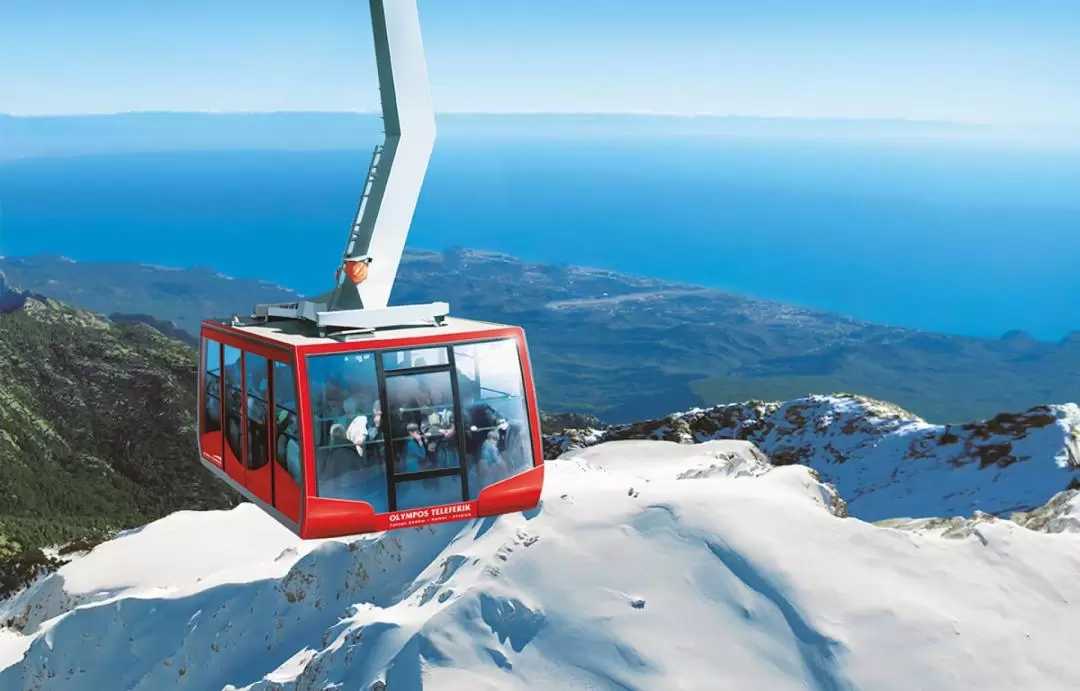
295, 333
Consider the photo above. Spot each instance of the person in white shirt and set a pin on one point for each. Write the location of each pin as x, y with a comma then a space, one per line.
356, 431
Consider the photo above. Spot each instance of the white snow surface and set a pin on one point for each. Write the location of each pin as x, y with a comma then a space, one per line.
649, 565
886, 462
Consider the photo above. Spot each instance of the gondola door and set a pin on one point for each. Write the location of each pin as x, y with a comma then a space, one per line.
425, 463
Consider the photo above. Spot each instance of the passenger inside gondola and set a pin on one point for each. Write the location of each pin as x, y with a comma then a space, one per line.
357, 426
492, 467
438, 429
288, 447
414, 456
338, 467
373, 436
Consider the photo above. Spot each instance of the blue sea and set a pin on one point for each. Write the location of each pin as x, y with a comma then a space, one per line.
958, 238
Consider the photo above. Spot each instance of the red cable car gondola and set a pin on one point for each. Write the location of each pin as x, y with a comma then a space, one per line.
339, 415
340, 436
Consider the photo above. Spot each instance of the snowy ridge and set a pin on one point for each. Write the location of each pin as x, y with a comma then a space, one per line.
648, 566
885, 461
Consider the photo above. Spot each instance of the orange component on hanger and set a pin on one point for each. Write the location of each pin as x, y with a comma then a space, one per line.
356, 270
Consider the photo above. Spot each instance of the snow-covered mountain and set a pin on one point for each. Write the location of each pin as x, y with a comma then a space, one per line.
885, 461
649, 565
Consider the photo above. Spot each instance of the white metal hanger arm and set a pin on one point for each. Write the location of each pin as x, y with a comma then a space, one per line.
392, 188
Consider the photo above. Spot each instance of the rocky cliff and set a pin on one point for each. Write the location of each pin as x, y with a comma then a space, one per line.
885, 461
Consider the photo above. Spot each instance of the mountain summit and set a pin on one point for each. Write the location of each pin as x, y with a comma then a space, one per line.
885, 461
648, 565
722, 560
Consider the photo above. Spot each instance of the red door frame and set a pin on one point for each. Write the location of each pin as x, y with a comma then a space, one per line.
288, 496
307, 432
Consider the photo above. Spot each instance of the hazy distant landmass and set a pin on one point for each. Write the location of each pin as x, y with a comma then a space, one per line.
22, 136
625, 347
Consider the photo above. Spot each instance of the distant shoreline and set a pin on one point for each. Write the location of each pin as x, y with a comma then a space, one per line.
665, 289
24, 136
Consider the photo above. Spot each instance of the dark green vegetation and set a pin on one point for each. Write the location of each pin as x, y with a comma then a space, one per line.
626, 348
96, 432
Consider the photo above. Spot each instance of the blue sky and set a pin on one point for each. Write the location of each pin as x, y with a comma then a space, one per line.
1004, 62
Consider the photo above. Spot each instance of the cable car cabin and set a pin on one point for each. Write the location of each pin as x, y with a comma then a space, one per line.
400, 428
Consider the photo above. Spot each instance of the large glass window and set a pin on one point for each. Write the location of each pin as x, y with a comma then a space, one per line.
211, 419
494, 411
255, 370
418, 357
348, 429
234, 401
287, 442
422, 422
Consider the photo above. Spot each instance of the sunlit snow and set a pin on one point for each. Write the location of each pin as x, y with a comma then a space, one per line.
650, 565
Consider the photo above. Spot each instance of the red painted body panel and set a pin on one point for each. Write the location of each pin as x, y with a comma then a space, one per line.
312, 517
288, 499
333, 518
259, 480
233, 466
518, 493
307, 440
211, 444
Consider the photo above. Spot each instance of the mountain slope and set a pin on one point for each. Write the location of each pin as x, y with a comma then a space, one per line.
96, 427
649, 565
885, 461
184, 296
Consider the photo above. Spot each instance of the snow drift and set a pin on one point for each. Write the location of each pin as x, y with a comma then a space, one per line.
649, 565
